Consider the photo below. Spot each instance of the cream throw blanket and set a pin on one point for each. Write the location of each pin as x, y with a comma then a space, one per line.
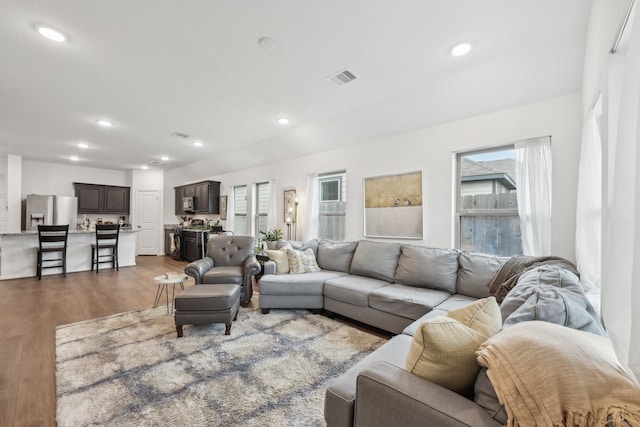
550, 375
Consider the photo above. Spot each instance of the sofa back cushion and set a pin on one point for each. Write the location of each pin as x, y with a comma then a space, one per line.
474, 272
428, 268
336, 256
376, 260
299, 246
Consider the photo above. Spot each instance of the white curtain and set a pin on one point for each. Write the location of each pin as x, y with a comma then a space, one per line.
230, 209
312, 208
533, 178
272, 210
621, 249
589, 203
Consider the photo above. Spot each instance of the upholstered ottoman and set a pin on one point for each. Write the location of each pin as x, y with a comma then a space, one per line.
203, 304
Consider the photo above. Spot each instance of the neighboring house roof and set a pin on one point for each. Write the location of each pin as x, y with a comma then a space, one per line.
502, 170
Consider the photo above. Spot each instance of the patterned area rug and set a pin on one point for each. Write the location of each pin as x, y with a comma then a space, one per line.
130, 369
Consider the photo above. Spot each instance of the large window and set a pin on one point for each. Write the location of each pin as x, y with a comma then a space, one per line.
240, 208
487, 208
262, 207
332, 202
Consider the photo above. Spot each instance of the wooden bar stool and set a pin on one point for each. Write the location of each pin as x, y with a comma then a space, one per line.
106, 238
52, 239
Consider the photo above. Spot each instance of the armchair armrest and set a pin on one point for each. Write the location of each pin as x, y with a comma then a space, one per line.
196, 269
387, 395
251, 266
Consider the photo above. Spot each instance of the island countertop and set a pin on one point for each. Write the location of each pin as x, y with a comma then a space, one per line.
19, 251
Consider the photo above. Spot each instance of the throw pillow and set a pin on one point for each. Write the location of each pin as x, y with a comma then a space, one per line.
302, 261
443, 349
281, 260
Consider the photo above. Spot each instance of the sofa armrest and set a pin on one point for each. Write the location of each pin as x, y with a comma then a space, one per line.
269, 267
387, 395
196, 269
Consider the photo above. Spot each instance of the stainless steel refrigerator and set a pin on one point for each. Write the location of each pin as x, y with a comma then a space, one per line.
51, 210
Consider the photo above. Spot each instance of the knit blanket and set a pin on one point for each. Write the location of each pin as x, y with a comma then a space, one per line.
506, 277
550, 375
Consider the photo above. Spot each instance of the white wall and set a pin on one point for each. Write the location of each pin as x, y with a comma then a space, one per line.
431, 151
58, 179
14, 188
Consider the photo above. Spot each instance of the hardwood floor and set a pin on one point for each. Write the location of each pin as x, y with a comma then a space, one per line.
30, 310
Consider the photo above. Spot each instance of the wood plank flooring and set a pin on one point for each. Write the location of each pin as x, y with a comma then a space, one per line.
30, 310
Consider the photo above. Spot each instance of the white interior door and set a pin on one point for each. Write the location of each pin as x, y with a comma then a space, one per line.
148, 222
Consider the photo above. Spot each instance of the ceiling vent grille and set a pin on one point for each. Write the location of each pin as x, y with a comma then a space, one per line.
342, 77
181, 135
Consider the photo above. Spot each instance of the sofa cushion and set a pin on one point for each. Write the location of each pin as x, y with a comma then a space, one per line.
302, 261
428, 267
406, 301
299, 246
443, 349
485, 395
475, 271
413, 328
222, 275
376, 260
336, 256
455, 302
353, 290
279, 256
551, 294
296, 284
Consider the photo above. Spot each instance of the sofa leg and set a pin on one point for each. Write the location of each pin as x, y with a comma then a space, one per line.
179, 330
329, 314
227, 328
245, 304
265, 311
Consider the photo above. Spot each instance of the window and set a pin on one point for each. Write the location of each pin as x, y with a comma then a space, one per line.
333, 198
240, 224
487, 208
262, 207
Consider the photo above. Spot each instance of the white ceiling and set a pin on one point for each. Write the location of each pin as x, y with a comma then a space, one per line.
156, 67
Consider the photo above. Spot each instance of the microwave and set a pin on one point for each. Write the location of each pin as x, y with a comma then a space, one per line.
188, 203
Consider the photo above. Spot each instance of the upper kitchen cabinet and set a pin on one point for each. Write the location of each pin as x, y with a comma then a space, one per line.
206, 197
102, 199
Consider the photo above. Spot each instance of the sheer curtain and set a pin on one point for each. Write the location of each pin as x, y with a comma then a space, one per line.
312, 208
230, 209
272, 210
533, 178
589, 203
621, 249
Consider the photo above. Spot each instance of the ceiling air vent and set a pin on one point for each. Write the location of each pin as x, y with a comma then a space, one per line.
342, 77
181, 135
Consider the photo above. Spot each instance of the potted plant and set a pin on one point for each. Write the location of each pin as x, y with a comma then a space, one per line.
271, 237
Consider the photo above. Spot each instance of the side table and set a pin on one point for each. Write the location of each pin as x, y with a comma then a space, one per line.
163, 281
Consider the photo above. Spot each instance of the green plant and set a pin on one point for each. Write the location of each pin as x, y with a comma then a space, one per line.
272, 235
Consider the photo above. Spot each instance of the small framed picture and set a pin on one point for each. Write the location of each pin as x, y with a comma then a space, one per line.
223, 207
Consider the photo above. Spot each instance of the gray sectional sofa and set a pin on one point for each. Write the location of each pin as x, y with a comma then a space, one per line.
396, 287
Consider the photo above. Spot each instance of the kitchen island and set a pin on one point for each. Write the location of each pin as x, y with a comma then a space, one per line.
18, 256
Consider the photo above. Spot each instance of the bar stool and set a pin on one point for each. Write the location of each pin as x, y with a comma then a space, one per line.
52, 239
106, 238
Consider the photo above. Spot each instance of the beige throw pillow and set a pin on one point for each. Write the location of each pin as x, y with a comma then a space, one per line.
281, 260
443, 349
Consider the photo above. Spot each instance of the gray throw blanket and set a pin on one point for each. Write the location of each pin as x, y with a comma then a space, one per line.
506, 277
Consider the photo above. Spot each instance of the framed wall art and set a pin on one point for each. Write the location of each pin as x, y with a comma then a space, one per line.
223, 207
393, 206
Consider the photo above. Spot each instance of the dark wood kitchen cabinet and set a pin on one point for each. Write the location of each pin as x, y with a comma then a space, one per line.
193, 242
102, 199
206, 197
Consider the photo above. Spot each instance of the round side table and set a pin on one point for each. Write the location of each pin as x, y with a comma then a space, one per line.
163, 281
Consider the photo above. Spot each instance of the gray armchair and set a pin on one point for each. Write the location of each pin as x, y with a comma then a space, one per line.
229, 259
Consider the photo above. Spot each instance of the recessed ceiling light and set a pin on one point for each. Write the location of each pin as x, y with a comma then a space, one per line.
74, 158
197, 143
267, 43
51, 34
283, 121
104, 122
83, 145
461, 49
164, 158
144, 167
